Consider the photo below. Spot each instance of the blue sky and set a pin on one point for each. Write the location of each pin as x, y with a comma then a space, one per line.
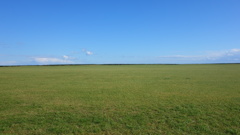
38, 32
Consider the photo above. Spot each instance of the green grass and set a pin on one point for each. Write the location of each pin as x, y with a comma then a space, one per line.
120, 99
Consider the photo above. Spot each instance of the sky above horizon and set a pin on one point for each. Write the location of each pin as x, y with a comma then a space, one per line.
39, 32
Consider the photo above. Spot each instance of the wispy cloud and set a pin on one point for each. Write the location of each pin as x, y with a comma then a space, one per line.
66, 57
51, 60
87, 52
232, 55
8, 63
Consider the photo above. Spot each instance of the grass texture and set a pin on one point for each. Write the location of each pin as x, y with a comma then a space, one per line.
120, 99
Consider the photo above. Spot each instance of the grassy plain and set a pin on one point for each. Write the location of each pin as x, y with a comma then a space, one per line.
120, 99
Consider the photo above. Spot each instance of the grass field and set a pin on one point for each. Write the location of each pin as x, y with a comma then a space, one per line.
120, 99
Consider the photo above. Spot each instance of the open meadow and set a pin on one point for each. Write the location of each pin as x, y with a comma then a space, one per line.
120, 99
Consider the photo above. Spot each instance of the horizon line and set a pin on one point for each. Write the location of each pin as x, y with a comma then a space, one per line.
119, 64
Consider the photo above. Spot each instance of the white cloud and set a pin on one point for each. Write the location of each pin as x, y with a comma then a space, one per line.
65, 57
49, 60
232, 55
87, 52
235, 50
225, 54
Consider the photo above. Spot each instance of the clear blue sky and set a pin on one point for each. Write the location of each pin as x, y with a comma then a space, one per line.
38, 32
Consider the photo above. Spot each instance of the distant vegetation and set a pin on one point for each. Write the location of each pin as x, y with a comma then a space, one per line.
127, 99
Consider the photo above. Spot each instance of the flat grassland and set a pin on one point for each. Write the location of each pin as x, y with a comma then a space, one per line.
120, 99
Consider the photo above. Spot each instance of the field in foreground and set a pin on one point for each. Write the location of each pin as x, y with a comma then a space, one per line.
120, 99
